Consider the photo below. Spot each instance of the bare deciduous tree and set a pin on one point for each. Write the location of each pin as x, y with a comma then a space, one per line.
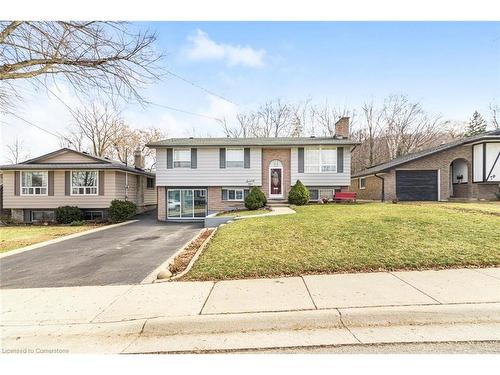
16, 152
100, 130
96, 126
325, 116
495, 113
407, 127
108, 57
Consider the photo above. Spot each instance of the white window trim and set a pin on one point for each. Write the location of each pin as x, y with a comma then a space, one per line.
33, 195
71, 183
320, 165
242, 149
174, 159
362, 187
235, 200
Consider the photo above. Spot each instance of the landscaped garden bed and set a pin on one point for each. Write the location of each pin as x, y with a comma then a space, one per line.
353, 238
181, 262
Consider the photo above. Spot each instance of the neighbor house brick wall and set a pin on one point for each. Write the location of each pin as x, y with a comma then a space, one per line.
283, 155
440, 161
372, 191
162, 204
487, 191
215, 202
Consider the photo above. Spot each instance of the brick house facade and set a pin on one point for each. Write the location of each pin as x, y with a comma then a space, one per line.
382, 181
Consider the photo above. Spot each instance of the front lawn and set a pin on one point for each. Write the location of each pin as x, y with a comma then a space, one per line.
350, 238
15, 237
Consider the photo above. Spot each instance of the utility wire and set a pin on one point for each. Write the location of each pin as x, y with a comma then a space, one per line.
35, 125
184, 111
200, 87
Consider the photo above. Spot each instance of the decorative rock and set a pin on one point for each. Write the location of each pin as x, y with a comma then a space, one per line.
165, 274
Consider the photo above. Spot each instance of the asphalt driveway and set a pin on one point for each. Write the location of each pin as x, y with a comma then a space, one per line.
120, 255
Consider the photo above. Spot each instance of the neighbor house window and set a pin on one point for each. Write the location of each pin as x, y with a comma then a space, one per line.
34, 183
84, 183
150, 183
182, 158
362, 183
233, 194
235, 158
42, 216
320, 160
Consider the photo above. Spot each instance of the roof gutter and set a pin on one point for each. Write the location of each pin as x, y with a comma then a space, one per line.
382, 198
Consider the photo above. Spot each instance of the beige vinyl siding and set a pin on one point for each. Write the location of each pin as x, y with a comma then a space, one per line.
149, 194
68, 157
59, 198
322, 179
208, 172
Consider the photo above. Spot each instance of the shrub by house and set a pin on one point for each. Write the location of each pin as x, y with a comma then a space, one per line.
68, 214
299, 195
120, 210
255, 199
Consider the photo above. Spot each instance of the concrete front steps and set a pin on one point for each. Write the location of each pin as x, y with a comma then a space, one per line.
277, 203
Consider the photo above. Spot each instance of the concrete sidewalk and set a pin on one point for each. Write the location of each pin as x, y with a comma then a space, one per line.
458, 304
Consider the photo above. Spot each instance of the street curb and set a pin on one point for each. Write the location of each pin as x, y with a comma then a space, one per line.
199, 333
63, 238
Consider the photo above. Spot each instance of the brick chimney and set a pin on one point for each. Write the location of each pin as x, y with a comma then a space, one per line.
138, 159
342, 127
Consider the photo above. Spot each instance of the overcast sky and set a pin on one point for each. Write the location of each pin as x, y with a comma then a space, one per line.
451, 68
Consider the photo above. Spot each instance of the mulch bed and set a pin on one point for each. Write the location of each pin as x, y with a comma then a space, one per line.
182, 260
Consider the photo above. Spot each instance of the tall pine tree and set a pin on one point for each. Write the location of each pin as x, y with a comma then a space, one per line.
476, 125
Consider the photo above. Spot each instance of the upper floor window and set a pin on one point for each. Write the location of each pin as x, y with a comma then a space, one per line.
150, 183
34, 183
235, 158
182, 158
84, 183
320, 159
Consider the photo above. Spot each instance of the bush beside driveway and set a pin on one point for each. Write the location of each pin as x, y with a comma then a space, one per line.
353, 238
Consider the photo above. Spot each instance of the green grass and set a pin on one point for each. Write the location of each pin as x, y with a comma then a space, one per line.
239, 213
352, 238
15, 237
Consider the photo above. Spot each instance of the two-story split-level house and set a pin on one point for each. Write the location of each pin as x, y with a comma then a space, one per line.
33, 189
199, 176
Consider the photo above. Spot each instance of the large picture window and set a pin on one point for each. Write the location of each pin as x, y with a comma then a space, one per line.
186, 203
182, 158
84, 183
235, 158
320, 160
34, 183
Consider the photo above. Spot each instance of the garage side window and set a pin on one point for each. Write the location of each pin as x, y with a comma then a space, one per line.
362, 183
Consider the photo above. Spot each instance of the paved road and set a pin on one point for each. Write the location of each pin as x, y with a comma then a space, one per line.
121, 255
467, 347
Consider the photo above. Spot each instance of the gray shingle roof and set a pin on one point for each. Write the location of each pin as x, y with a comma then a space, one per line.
100, 163
495, 134
274, 141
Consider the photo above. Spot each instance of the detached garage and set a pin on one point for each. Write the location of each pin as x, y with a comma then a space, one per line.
466, 169
417, 185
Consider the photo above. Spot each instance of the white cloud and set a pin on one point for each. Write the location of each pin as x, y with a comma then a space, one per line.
203, 48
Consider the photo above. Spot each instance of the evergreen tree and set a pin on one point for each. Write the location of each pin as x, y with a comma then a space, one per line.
476, 125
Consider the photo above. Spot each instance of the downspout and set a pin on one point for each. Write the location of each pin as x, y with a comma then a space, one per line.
383, 187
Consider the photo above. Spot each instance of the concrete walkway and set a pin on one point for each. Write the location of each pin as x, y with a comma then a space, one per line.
226, 315
279, 210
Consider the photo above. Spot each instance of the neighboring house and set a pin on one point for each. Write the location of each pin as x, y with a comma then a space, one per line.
468, 168
199, 176
34, 188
